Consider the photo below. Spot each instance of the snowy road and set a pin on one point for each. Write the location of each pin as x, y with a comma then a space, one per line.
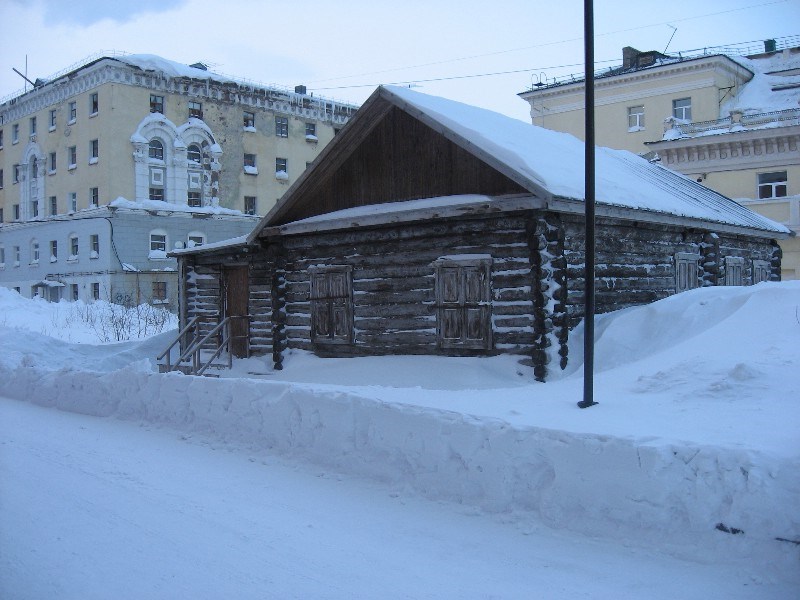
99, 508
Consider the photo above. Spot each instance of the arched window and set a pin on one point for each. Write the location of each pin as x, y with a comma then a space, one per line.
193, 153
156, 149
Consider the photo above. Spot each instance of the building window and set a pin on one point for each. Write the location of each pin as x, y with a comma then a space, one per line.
250, 164
250, 205
635, 118
195, 110
34, 208
281, 126
73, 247
93, 104
53, 206
159, 291
72, 157
1, 139
74, 289
682, 109
2, 256
195, 239
16, 212
332, 305
1, 179
15, 133
94, 196
94, 245
73, 112
16, 256
16, 172
94, 151
194, 154
95, 291
734, 270
53, 162
249, 120
463, 303
772, 185
156, 193
34, 252
33, 126
686, 273
158, 242
156, 104
156, 150
311, 131
53, 250
281, 168
73, 201
761, 271
2, 220
52, 123
193, 199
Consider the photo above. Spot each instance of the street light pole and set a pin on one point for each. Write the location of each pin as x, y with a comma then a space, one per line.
589, 195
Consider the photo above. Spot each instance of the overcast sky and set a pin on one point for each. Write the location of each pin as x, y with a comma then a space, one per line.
344, 49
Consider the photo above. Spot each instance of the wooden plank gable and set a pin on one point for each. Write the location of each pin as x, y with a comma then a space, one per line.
388, 155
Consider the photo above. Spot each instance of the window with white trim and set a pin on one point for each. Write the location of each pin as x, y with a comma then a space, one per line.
281, 127
73, 113
195, 109
250, 205
73, 248
94, 151
94, 246
249, 120
682, 109
772, 185
94, 104
72, 157
52, 122
95, 291
155, 149
158, 244
636, 118
53, 163
15, 133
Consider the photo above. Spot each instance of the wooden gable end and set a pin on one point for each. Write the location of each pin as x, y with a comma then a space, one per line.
400, 158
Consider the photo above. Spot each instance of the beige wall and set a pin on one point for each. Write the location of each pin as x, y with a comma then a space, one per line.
123, 104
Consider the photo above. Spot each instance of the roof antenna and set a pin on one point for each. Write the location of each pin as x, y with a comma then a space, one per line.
674, 31
25, 76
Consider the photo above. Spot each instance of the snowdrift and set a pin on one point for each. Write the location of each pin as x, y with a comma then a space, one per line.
629, 468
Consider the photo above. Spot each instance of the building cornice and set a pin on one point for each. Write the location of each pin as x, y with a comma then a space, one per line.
110, 70
736, 150
718, 62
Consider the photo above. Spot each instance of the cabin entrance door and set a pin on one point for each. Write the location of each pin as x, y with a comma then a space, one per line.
235, 298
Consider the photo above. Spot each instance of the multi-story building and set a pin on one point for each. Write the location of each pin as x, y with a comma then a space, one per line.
726, 117
156, 138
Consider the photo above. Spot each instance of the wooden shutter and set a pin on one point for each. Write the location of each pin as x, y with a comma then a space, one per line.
332, 305
463, 304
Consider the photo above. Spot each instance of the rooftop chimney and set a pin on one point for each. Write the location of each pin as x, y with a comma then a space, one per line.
629, 57
300, 89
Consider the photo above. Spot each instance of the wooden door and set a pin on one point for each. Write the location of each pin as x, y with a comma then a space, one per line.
236, 297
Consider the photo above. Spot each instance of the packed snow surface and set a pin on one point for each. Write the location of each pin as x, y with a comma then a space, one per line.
682, 482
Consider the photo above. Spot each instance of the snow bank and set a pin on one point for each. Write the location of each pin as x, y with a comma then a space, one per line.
596, 484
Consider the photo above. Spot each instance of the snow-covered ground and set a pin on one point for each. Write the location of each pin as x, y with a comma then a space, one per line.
317, 481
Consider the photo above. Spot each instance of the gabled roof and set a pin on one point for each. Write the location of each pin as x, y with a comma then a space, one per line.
547, 164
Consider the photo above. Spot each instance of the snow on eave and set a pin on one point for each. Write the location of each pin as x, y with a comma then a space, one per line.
236, 243
161, 206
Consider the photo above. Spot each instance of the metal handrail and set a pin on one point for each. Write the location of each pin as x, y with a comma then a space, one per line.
227, 336
194, 349
166, 353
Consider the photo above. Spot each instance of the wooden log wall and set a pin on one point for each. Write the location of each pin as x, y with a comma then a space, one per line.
394, 303
202, 286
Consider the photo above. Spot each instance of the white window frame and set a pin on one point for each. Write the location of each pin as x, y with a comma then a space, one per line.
682, 108
636, 118
774, 183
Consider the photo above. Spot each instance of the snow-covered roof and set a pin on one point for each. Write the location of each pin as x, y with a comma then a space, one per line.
151, 62
235, 242
160, 205
550, 165
775, 84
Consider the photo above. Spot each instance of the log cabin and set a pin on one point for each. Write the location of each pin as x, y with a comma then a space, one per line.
431, 227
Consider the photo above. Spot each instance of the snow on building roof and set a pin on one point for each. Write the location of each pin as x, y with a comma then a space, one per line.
555, 162
151, 62
775, 84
